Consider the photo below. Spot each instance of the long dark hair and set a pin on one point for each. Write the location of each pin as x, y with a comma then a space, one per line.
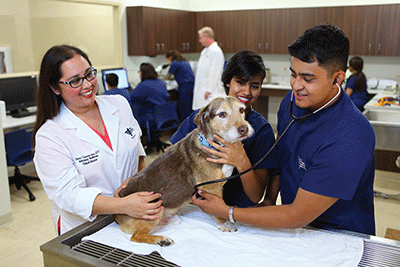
357, 64
148, 72
48, 103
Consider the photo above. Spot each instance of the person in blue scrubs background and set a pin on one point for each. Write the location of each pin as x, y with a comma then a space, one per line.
112, 83
149, 93
184, 76
356, 86
327, 160
242, 79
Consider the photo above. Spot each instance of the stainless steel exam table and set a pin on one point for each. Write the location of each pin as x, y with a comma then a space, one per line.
69, 250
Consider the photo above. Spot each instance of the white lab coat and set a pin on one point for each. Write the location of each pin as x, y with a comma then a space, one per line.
75, 165
208, 76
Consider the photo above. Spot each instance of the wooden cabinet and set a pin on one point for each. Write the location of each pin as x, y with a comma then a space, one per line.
372, 29
154, 31
388, 31
185, 31
221, 23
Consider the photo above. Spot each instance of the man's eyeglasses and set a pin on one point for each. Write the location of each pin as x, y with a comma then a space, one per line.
78, 81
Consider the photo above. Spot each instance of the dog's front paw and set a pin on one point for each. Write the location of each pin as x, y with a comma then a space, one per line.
226, 226
165, 242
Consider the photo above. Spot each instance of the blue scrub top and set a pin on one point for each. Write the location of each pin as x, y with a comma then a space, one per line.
359, 98
256, 146
332, 154
182, 71
145, 97
119, 91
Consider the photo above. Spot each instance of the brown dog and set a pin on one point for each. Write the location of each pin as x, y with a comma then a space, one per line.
175, 173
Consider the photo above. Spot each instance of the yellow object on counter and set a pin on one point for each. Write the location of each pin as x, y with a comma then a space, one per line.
387, 101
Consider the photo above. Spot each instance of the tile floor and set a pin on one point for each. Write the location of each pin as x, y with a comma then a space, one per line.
32, 225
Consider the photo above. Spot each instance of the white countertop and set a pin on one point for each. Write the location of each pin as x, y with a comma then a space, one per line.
373, 103
276, 86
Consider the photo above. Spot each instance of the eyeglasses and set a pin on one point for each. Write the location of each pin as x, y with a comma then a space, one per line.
78, 81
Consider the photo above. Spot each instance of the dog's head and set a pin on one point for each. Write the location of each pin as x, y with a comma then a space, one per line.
224, 116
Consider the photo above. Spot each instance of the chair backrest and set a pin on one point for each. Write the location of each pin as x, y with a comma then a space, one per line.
18, 147
166, 116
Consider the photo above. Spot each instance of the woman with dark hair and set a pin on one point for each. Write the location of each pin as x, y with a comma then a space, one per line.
149, 93
184, 76
242, 78
86, 146
356, 86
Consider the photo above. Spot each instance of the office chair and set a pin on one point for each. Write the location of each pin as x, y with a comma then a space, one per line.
166, 118
18, 153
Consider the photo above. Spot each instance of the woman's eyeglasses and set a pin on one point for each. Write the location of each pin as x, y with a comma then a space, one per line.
78, 81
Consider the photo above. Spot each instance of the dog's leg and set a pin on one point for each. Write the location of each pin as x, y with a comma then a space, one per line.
140, 230
225, 225
222, 224
142, 236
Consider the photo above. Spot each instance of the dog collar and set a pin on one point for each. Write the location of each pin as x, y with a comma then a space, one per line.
203, 141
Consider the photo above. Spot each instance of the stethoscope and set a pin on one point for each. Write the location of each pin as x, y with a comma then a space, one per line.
294, 118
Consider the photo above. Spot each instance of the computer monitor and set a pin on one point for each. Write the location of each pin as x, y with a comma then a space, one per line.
18, 93
122, 78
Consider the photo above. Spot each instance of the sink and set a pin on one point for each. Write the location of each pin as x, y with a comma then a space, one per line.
386, 125
383, 116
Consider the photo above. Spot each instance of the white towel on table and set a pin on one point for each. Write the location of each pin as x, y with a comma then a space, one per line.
198, 242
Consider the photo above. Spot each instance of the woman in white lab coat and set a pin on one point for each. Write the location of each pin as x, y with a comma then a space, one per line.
86, 146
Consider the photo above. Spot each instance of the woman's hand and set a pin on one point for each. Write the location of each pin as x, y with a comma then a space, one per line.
232, 154
140, 205
123, 185
211, 204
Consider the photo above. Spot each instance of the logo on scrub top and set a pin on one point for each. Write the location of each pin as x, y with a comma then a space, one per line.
302, 165
130, 131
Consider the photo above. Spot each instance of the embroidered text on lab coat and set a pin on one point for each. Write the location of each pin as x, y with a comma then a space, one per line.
89, 158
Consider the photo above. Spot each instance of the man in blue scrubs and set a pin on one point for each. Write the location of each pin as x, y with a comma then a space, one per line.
327, 159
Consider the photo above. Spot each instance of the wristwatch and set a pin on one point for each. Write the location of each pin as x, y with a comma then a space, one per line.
231, 214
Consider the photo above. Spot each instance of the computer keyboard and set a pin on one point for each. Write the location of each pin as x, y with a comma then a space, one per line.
22, 113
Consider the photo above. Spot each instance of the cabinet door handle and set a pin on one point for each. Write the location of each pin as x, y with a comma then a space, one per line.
369, 47
379, 47
188, 46
158, 47
162, 47
266, 46
259, 46
183, 46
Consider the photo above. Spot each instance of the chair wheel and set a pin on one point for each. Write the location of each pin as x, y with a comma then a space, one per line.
31, 197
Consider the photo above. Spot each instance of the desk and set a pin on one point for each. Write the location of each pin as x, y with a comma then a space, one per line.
14, 123
8, 125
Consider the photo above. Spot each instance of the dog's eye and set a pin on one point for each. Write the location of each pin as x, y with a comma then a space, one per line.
222, 114
241, 110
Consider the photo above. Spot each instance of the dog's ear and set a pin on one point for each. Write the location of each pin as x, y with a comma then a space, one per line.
202, 118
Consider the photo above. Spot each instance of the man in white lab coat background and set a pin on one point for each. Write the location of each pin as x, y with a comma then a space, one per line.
207, 83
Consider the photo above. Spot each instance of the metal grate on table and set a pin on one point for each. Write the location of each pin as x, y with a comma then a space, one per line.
378, 254
121, 257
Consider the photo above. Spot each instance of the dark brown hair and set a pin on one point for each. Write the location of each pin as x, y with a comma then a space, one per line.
245, 65
357, 64
325, 44
48, 103
148, 72
174, 55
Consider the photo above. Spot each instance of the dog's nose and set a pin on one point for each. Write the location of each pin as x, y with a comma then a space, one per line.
243, 130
